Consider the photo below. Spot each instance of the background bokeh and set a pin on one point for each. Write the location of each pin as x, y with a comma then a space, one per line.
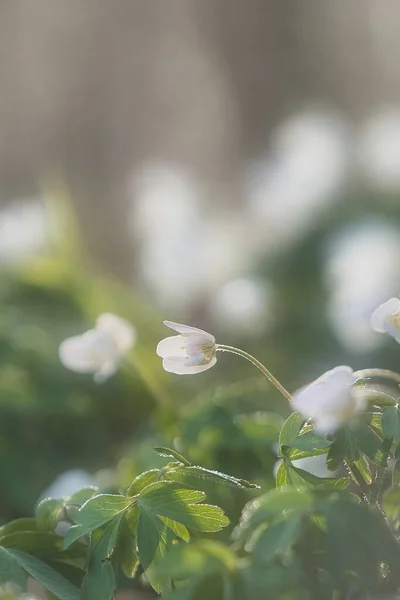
233, 165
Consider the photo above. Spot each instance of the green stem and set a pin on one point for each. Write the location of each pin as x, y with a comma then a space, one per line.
258, 365
381, 373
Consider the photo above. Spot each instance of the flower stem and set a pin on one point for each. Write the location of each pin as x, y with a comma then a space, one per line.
382, 373
260, 367
364, 490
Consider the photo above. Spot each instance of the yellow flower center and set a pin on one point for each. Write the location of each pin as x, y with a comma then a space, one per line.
394, 319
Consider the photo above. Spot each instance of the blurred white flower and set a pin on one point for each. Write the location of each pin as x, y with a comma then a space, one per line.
245, 304
379, 149
67, 484
329, 400
193, 351
299, 177
386, 318
24, 230
99, 350
361, 271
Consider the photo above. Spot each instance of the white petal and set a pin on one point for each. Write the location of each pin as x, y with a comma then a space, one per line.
73, 356
177, 366
380, 314
87, 353
105, 372
171, 346
123, 332
186, 329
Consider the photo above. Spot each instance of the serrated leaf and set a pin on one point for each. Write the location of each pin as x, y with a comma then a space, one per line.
142, 481
177, 528
391, 423
48, 512
46, 576
169, 453
100, 509
94, 513
10, 570
169, 499
290, 429
216, 476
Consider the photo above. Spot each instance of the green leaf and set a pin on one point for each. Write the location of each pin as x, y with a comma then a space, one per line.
272, 504
94, 513
179, 530
46, 576
169, 453
43, 544
82, 496
48, 512
153, 537
301, 479
309, 441
391, 423
391, 503
282, 475
216, 476
396, 473
10, 570
102, 508
171, 500
367, 441
343, 448
125, 550
18, 525
290, 429
363, 466
276, 537
99, 583
142, 481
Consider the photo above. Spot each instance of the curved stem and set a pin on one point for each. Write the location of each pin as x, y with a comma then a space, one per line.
260, 367
383, 373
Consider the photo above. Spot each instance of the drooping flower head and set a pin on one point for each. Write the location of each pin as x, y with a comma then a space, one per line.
99, 350
330, 400
192, 351
386, 318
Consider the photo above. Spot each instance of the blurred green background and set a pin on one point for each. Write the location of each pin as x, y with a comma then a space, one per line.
228, 165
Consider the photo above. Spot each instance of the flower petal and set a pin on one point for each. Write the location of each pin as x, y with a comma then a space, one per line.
171, 346
87, 353
186, 329
179, 366
379, 316
122, 331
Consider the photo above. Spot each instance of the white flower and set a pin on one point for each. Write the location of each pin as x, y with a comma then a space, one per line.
386, 318
330, 400
99, 350
193, 351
